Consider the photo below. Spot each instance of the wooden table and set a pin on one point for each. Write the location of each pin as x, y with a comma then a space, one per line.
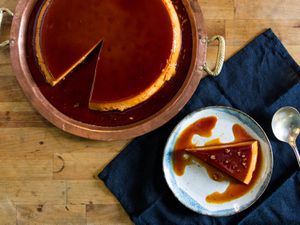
48, 176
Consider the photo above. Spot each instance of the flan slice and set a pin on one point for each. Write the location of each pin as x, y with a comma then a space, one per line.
135, 64
56, 62
237, 160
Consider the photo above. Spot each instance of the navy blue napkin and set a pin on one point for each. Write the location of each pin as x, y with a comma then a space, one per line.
259, 79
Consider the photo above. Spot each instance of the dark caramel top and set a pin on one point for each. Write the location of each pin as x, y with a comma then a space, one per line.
71, 96
137, 41
233, 159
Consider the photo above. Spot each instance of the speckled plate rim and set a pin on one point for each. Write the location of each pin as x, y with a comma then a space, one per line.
181, 195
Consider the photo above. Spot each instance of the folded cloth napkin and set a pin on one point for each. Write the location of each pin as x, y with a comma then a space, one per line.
258, 80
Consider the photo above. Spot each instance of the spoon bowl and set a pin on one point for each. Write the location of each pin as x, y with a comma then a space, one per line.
286, 127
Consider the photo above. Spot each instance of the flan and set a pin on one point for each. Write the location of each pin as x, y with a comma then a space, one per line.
140, 46
58, 51
238, 160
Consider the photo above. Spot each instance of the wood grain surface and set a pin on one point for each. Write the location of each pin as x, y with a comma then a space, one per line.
48, 177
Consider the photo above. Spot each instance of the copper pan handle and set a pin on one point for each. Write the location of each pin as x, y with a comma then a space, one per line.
2, 13
220, 56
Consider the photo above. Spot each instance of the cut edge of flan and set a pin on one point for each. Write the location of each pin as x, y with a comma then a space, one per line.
45, 70
252, 165
167, 73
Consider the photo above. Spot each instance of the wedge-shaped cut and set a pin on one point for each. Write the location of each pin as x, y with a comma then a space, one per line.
237, 160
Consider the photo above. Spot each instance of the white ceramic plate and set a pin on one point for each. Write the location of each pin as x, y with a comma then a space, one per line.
192, 188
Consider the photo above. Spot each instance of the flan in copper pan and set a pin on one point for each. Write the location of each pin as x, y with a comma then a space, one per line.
157, 54
140, 47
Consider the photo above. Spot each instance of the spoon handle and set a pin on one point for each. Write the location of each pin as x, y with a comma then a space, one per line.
294, 146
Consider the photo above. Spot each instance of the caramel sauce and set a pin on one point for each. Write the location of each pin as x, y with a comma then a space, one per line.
71, 97
202, 127
240, 134
236, 188
213, 142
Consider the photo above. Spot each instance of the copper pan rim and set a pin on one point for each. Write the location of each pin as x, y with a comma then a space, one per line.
41, 104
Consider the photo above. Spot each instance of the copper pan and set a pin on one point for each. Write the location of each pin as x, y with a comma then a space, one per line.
196, 72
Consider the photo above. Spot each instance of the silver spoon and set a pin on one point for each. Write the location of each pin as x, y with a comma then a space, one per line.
286, 127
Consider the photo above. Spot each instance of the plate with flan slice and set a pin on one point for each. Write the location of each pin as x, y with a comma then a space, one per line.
218, 161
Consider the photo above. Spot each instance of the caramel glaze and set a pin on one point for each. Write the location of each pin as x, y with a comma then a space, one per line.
202, 127
134, 50
236, 188
71, 96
